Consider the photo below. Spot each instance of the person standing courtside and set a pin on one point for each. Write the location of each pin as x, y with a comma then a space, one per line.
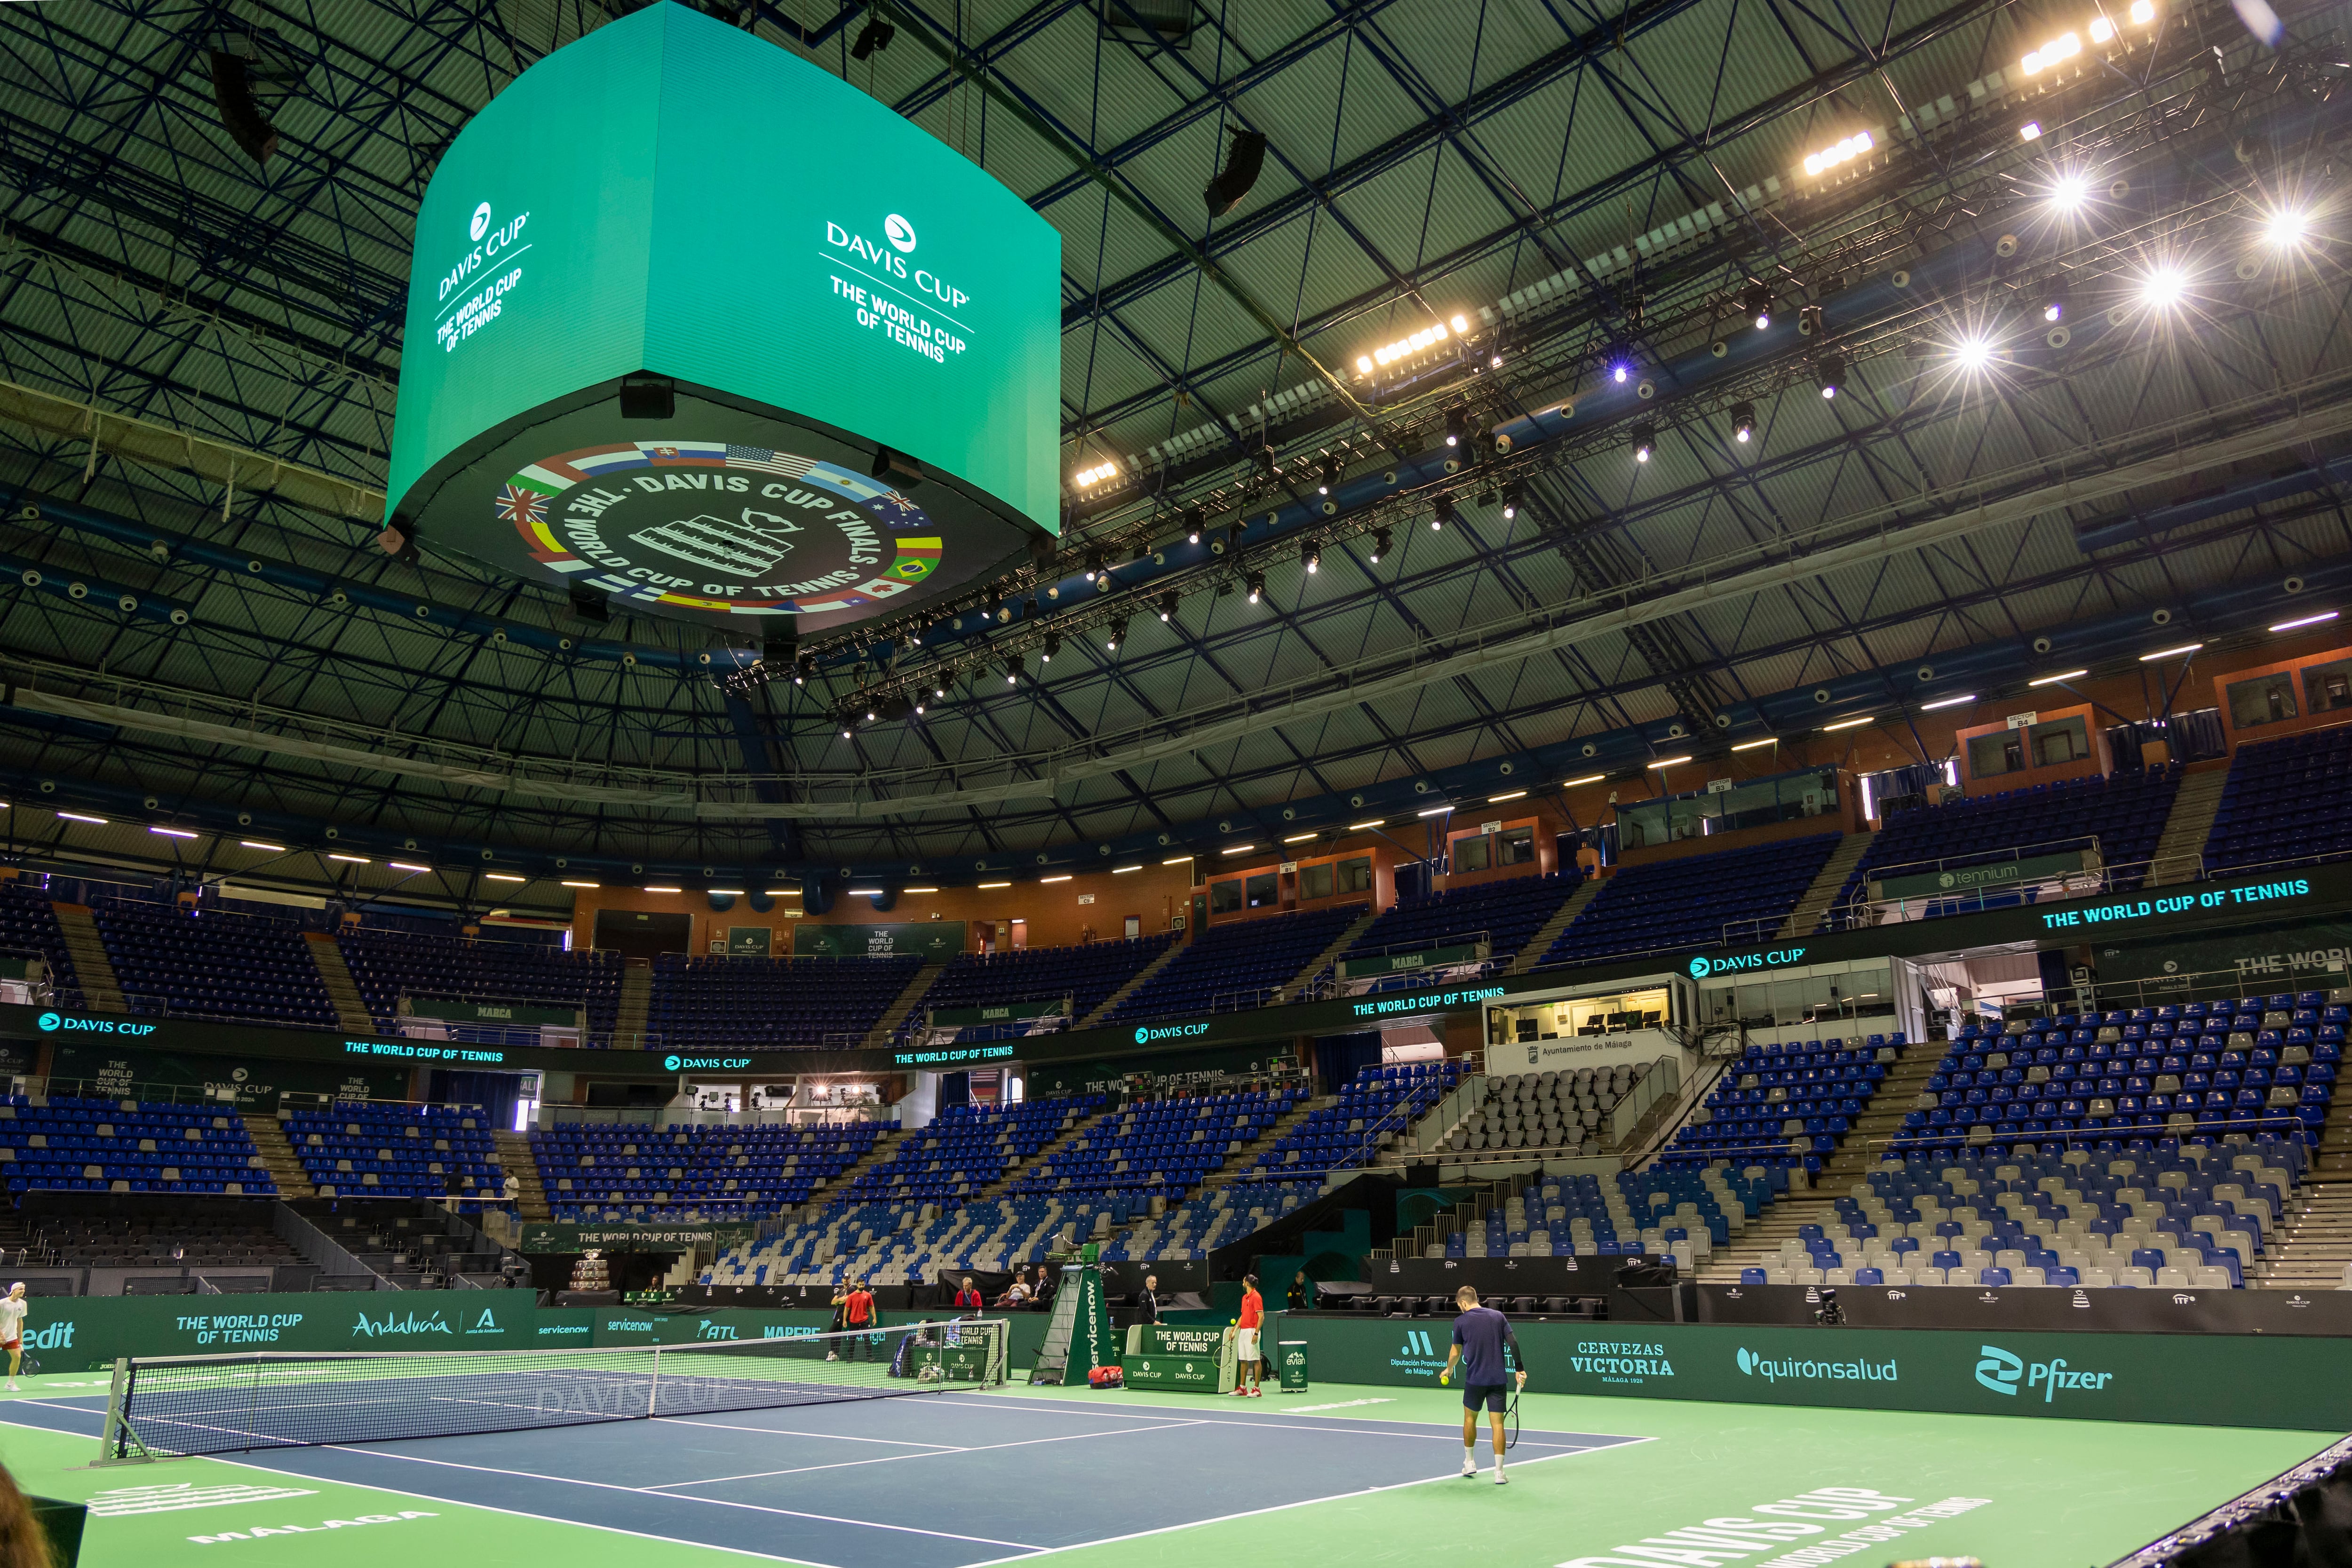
1245, 1336
12, 1308
857, 1316
1480, 1334
1147, 1301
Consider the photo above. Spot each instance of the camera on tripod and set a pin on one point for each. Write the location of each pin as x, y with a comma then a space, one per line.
1829, 1314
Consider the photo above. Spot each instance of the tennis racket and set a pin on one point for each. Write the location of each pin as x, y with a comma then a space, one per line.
1511, 1424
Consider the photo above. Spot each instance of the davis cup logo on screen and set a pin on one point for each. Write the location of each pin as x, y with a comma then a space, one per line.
899, 233
707, 525
48, 1022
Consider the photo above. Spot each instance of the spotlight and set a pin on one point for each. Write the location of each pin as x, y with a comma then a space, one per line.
1831, 369
1168, 606
1619, 372
1756, 300
1243, 160
2069, 192
1234, 532
802, 668
1053, 646
872, 40
845, 732
1118, 634
1330, 475
1193, 526
1511, 497
940, 689
2284, 229
1972, 353
1456, 427
1257, 582
1310, 555
1441, 512
1645, 440
2143, 11
2054, 302
1093, 566
2101, 30
2161, 287
2030, 131
869, 715
1382, 541
1743, 422
1014, 668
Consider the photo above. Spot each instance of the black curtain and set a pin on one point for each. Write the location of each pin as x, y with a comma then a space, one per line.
955, 1088
1340, 1057
495, 1092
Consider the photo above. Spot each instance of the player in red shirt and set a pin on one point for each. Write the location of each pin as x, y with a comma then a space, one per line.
1245, 1346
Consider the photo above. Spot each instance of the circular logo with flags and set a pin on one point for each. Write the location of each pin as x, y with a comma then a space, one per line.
711, 526
1698, 967
669, 1064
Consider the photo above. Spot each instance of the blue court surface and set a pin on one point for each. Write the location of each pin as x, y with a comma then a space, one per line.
943, 1480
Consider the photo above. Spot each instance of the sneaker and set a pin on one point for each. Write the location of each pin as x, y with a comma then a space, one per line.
1500, 1479
1240, 1392
1256, 1393
1469, 1469
12, 1385
830, 1356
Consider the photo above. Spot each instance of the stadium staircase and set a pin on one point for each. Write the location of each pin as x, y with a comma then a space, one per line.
2180, 849
1237, 1166
278, 1156
1857, 1154
351, 1008
635, 1000
1069, 1136
1306, 978
93, 971
516, 1158
884, 1150
1111, 1002
887, 1026
1814, 906
1561, 919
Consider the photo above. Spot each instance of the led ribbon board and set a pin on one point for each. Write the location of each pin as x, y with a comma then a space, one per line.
816, 277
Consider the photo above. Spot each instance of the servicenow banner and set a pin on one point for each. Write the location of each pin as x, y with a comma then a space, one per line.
2213, 1380
854, 332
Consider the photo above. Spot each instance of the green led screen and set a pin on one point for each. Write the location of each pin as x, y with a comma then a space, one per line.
815, 276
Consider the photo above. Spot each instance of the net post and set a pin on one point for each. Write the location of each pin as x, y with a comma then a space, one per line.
117, 1443
653, 1386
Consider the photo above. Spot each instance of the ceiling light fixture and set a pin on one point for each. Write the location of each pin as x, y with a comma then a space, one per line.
1105, 470
2187, 648
1831, 371
1850, 723
1042, 880
1434, 811
1669, 762
991, 887
1756, 301
1300, 837
661, 890
1645, 440
1123, 871
1499, 799
1947, 702
1389, 354
1842, 151
2054, 680
502, 876
582, 884
173, 832
1578, 784
1238, 849
1752, 745
351, 859
78, 816
266, 848
918, 889
1383, 543
2305, 621
1366, 826
409, 866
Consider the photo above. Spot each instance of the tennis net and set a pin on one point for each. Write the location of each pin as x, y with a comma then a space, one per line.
226, 1404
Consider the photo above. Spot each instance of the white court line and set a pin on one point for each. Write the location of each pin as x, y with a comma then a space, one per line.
705, 1501
784, 1432
893, 1459
1276, 1508
453, 1502
1343, 1405
1271, 1419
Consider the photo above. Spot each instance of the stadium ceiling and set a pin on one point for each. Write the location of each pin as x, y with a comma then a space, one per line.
2074, 277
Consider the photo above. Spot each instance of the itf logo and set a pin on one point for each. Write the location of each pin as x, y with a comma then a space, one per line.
48, 1022
899, 233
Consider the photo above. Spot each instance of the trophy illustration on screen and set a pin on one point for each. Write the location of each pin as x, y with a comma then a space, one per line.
744, 549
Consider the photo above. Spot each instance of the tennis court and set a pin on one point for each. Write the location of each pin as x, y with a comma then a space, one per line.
961, 1478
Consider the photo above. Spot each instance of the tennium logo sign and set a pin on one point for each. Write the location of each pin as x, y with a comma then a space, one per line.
1145, 1034
1702, 965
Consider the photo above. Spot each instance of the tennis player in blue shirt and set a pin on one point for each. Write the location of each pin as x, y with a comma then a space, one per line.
1480, 1334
